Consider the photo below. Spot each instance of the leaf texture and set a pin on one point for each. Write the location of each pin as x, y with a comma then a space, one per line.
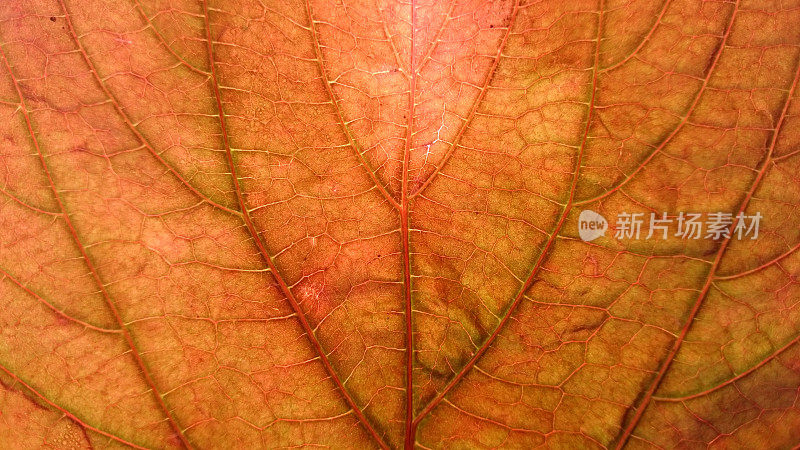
354, 224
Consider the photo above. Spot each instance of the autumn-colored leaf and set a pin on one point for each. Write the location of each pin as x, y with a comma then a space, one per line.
357, 224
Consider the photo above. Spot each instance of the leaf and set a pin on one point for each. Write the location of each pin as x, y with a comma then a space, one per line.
355, 224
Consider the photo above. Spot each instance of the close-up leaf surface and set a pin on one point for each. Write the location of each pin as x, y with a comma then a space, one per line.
355, 224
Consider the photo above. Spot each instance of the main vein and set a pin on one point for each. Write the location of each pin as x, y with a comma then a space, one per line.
66, 413
474, 108
307, 328
684, 120
626, 433
340, 116
545, 251
88, 261
409, 417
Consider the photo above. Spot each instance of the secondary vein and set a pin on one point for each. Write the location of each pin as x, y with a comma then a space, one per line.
307, 328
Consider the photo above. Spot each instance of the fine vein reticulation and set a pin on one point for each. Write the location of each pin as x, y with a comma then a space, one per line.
355, 224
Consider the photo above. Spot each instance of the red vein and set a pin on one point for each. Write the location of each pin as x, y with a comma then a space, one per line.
163, 41
67, 413
96, 277
309, 331
762, 266
340, 115
681, 124
410, 430
53, 308
712, 271
545, 251
129, 122
747, 372
26, 205
388, 36
474, 109
786, 156
435, 41
644, 40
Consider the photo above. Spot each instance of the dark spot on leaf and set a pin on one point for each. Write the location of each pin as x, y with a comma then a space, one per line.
52, 19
